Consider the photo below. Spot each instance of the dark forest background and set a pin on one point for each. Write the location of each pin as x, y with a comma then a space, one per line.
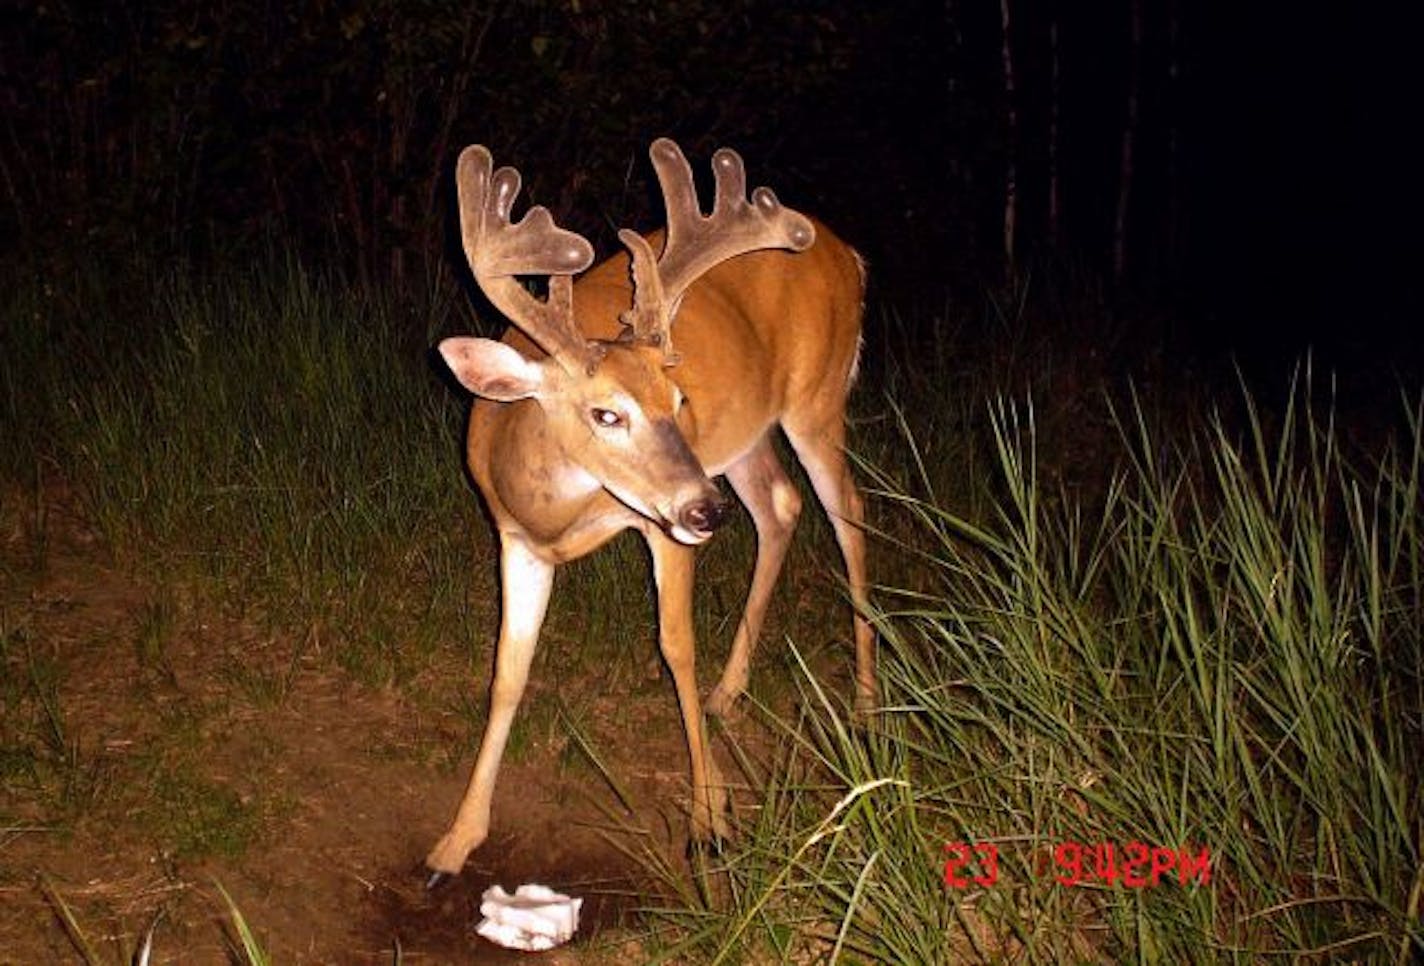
1245, 170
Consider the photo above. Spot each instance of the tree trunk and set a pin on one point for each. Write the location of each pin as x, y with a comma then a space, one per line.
1174, 169
1129, 138
1055, 95
1011, 140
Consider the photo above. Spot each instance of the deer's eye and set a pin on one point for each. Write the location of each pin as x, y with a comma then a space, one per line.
607, 418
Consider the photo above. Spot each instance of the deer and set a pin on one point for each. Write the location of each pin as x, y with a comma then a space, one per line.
612, 403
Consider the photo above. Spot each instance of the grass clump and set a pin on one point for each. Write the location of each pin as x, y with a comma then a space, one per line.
265, 430
1222, 655
243, 945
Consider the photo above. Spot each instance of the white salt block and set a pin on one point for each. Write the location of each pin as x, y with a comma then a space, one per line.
534, 918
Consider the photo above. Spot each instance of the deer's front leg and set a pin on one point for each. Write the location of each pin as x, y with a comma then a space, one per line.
672, 570
525, 581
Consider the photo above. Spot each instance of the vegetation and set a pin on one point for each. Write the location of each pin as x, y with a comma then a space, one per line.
260, 429
1205, 637
1222, 657
209, 130
244, 948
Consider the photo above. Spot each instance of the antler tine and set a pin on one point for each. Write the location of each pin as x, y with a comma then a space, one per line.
696, 242
498, 250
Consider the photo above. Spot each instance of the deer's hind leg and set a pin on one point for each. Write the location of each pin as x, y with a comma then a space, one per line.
820, 446
771, 498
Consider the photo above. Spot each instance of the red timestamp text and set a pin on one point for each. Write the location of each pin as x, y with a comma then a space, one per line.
1134, 865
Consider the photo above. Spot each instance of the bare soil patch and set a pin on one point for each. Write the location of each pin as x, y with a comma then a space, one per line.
154, 748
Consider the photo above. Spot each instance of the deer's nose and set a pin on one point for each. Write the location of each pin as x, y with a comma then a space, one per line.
704, 516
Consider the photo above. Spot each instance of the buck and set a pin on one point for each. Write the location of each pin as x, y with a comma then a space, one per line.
613, 402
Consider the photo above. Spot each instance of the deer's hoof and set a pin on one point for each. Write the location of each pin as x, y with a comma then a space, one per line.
722, 702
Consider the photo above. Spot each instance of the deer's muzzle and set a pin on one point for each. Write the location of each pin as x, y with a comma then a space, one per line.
704, 516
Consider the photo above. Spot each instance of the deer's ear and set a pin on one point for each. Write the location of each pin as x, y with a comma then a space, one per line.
492, 369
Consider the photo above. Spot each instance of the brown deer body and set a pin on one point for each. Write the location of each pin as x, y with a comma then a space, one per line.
612, 418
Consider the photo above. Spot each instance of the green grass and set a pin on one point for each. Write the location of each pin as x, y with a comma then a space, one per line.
195, 817
264, 430
1223, 653
244, 947
42, 754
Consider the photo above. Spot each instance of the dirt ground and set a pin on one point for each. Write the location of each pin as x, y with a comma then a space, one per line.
154, 751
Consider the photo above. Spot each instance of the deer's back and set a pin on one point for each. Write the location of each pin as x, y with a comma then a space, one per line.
762, 337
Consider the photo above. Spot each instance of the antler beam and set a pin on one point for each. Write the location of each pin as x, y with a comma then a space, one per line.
499, 250
696, 242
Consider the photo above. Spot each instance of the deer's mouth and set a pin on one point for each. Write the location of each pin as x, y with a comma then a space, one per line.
703, 517
692, 522
696, 522
684, 536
